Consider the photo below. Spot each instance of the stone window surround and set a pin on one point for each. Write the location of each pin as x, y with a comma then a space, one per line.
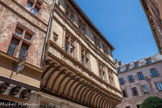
70, 38
126, 93
156, 72
120, 81
111, 76
21, 38
102, 70
157, 87
130, 80
135, 88
24, 2
86, 55
141, 74
143, 89
108, 73
148, 60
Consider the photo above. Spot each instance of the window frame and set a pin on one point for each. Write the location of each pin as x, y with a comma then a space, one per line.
139, 76
85, 54
22, 41
145, 89
126, 95
127, 67
70, 41
159, 86
148, 61
111, 77
35, 4
134, 91
102, 70
155, 73
121, 80
129, 78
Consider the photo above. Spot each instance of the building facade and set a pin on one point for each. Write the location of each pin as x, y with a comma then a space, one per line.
54, 59
153, 11
140, 80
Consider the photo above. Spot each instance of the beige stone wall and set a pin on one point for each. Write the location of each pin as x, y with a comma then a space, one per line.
60, 24
30, 75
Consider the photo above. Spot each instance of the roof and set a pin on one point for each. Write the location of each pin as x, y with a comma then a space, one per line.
89, 22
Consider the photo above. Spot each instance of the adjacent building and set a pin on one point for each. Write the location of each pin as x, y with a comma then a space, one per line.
68, 64
153, 11
140, 80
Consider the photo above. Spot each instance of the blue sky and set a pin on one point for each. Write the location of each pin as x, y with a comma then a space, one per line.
124, 24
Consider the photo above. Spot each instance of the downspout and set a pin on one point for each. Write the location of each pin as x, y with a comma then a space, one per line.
47, 35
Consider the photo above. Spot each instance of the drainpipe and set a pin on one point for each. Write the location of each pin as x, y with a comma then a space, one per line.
47, 34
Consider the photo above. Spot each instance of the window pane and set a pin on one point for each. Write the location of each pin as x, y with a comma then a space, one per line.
118, 69
124, 93
82, 59
140, 76
121, 81
149, 61
28, 6
131, 78
134, 90
136, 65
18, 32
35, 11
154, 73
159, 86
86, 62
145, 89
100, 74
66, 46
23, 51
27, 37
72, 51
12, 46
103, 75
127, 67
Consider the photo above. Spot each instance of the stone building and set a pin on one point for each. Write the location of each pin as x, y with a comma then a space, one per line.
140, 80
153, 11
54, 59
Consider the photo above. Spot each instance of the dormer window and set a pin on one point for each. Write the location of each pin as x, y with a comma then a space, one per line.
148, 61
136, 65
127, 67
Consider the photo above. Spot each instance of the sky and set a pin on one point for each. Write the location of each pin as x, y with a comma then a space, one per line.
125, 26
